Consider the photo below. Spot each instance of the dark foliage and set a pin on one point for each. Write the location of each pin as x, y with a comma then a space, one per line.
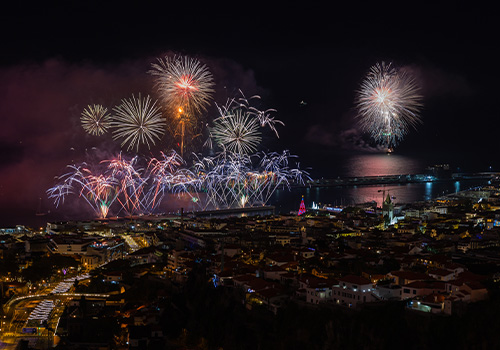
47, 266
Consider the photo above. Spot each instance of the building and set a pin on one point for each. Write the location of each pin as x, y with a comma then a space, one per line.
442, 274
353, 290
319, 290
405, 277
72, 245
423, 288
389, 292
388, 211
90, 262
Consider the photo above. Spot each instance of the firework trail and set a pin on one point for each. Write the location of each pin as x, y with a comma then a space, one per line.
168, 177
264, 116
130, 182
388, 103
99, 191
235, 177
186, 88
60, 191
275, 172
138, 121
227, 180
237, 180
237, 129
95, 120
122, 183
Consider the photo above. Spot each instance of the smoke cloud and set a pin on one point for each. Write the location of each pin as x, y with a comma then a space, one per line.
40, 107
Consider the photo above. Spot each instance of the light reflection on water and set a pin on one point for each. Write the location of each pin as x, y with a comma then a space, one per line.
371, 165
286, 201
381, 164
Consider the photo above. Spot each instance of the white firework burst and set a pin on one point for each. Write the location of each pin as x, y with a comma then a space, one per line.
237, 132
95, 120
388, 103
138, 121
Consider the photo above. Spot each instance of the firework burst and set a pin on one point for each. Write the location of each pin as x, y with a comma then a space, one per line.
98, 190
237, 129
184, 82
95, 120
388, 103
167, 176
130, 180
237, 180
138, 121
186, 87
237, 132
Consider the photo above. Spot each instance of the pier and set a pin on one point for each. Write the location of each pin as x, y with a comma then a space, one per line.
223, 213
399, 179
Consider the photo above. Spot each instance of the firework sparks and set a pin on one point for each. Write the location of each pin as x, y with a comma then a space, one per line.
167, 176
186, 87
95, 120
237, 132
131, 182
234, 177
138, 121
237, 129
264, 117
235, 180
99, 191
388, 103
184, 82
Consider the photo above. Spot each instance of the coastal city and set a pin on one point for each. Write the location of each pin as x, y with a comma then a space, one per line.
138, 282
211, 176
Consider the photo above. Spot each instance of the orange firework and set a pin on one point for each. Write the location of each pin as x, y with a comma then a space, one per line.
186, 88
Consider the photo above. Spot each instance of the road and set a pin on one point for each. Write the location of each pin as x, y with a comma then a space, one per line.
38, 313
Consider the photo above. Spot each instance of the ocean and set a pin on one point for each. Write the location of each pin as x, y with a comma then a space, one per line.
374, 165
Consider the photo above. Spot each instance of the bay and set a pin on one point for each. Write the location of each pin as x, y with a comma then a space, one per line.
380, 164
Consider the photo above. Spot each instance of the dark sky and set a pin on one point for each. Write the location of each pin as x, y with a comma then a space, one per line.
55, 60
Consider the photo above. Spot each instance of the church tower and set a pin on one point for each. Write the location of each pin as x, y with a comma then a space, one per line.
388, 211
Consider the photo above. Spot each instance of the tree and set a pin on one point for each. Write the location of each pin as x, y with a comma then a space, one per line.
47, 266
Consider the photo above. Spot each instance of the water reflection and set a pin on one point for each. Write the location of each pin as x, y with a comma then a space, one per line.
381, 164
286, 201
372, 165
428, 191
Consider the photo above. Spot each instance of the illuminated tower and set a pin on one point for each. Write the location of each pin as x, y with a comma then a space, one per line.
388, 211
302, 208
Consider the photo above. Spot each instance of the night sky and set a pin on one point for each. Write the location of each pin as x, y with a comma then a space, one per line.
54, 61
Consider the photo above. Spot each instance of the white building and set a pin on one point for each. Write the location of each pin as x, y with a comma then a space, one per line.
353, 290
423, 288
318, 291
388, 292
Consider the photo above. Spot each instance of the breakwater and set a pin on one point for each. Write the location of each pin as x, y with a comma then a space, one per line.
398, 179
